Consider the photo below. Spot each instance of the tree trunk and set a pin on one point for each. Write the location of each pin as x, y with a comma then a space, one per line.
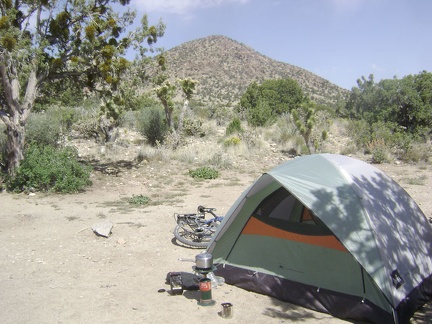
181, 117
15, 147
14, 114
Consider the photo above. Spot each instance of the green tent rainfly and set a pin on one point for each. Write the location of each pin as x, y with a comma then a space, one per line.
330, 233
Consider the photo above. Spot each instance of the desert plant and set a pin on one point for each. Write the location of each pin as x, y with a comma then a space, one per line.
360, 132
234, 127
283, 131
204, 173
220, 113
139, 200
151, 124
379, 151
263, 103
47, 47
416, 152
44, 129
261, 114
193, 127
232, 141
49, 169
88, 120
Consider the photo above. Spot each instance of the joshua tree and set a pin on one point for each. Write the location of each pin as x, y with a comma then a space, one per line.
188, 87
44, 42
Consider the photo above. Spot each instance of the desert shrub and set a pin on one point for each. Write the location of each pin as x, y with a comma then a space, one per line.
204, 173
349, 149
360, 132
65, 115
284, 130
234, 127
384, 131
379, 151
219, 160
47, 127
220, 113
49, 169
261, 114
149, 153
200, 110
232, 141
139, 200
416, 152
44, 129
127, 119
151, 124
252, 139
263, 103
193, 127
87, 125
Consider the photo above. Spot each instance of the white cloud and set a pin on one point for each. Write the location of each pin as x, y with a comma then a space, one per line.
181, 7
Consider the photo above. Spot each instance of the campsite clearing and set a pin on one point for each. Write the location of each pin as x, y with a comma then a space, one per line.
56, 270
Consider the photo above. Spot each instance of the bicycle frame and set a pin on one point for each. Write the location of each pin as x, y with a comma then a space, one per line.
194, 229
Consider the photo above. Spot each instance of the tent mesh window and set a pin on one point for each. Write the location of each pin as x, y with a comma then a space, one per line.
282, 210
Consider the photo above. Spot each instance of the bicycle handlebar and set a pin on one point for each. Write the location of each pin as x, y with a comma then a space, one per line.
202, 209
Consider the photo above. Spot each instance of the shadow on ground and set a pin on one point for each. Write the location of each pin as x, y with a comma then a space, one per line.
113, 168
423, 315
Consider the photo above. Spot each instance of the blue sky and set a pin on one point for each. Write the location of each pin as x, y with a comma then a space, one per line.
339, 40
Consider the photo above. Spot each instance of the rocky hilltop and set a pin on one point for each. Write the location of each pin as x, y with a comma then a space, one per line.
224, 68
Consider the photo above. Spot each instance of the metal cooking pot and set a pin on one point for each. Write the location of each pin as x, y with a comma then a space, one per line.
204, 261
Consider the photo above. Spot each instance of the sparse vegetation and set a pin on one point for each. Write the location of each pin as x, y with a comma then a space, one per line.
139, 200
234, 127
417, 181
204, 173
232, 141
150, 123
48, 169
227, 133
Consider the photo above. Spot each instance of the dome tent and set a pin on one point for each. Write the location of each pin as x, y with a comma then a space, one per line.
330, 233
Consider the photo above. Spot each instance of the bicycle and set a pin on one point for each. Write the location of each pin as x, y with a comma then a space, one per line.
194, 229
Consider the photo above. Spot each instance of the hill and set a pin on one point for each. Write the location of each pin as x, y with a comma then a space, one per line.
224, 69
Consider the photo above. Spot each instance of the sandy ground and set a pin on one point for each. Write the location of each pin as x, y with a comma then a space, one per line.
54, 269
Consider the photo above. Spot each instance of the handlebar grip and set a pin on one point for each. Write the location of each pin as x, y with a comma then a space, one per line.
202, 209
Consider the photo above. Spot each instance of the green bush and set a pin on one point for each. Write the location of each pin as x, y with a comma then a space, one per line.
49, 169
204, 173
379, 151
151, 124
234, 127
262, 103
261, 114
139, 200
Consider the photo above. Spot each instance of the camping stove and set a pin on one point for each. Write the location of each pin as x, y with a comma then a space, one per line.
203, 266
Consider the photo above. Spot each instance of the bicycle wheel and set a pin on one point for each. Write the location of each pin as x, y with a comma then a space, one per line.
188, 237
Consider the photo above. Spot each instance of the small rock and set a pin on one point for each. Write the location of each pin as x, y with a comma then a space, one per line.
121, 240
103, 228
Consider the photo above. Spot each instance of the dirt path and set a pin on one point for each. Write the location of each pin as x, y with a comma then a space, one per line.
54, 269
